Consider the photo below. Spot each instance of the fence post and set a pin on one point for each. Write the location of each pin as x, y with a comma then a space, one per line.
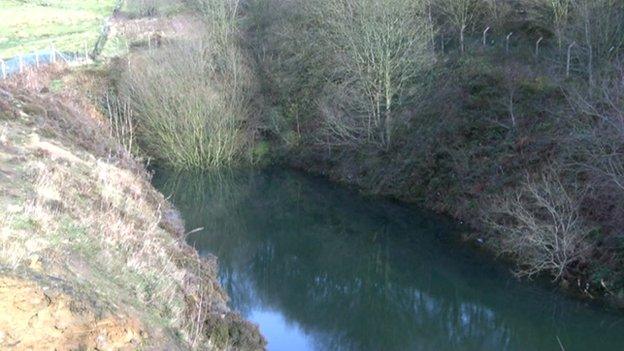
507, 42
149, 41
86, 51
485, 35
37, 59
4, 70
21, 62
52, 54
569, 59
537, 44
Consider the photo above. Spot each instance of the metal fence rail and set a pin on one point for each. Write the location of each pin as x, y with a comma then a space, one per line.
35, 60
22, 62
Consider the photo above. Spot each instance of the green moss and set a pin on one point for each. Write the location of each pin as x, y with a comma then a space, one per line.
260, 153
56, 85
25, 222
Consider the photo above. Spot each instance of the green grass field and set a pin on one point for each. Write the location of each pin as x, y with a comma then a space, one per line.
68, 25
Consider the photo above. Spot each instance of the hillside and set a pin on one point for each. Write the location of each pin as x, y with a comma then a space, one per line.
93, 257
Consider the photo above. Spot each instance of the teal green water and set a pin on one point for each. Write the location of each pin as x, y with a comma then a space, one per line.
319, 267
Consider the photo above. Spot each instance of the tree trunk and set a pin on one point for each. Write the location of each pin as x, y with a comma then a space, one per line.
461, 38
590, 48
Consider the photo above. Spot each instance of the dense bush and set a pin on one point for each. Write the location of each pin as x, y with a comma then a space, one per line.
144, 8
192, 98
189, 105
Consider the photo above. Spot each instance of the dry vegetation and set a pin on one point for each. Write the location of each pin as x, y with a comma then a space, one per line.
540, 225
517, 129
465, 106
191, 97
77, 210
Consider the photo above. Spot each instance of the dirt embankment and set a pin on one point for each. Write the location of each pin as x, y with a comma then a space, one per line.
91, 255
36, 315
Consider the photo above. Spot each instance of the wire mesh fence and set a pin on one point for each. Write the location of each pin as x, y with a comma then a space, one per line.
35, 60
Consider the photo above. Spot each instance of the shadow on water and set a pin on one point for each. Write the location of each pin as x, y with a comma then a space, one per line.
319, 267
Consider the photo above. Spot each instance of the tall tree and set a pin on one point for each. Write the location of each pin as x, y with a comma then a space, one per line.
380, 49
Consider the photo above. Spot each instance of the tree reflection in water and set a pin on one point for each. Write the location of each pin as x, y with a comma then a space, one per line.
368, 274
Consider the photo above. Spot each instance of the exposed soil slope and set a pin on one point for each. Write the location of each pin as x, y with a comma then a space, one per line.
41, 316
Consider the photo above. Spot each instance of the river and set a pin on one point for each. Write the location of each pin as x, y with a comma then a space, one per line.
320, 267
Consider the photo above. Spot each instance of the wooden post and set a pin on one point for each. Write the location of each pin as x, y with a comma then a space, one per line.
86, 51
4, 69
149, 41
52, 55
507, 42
537, 44
21, 63
569, 59
37, 59
485, 35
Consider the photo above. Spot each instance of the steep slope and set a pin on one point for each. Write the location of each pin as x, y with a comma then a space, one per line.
91, 255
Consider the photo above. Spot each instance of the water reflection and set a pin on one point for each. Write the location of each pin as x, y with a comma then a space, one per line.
318, 267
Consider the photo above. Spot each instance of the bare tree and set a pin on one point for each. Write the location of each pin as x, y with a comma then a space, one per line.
597, 26
553, 14
498, 12
601, 139
460, 14
540, 225
514, 74
380, 49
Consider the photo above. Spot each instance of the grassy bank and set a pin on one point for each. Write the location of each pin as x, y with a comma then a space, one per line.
86, 237
69, 26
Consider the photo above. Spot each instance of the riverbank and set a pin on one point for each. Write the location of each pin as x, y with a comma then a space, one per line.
391, 176
92, 255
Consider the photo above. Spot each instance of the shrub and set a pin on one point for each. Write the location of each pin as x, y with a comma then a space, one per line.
121, 120
596, 149
540, 225
191, 104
